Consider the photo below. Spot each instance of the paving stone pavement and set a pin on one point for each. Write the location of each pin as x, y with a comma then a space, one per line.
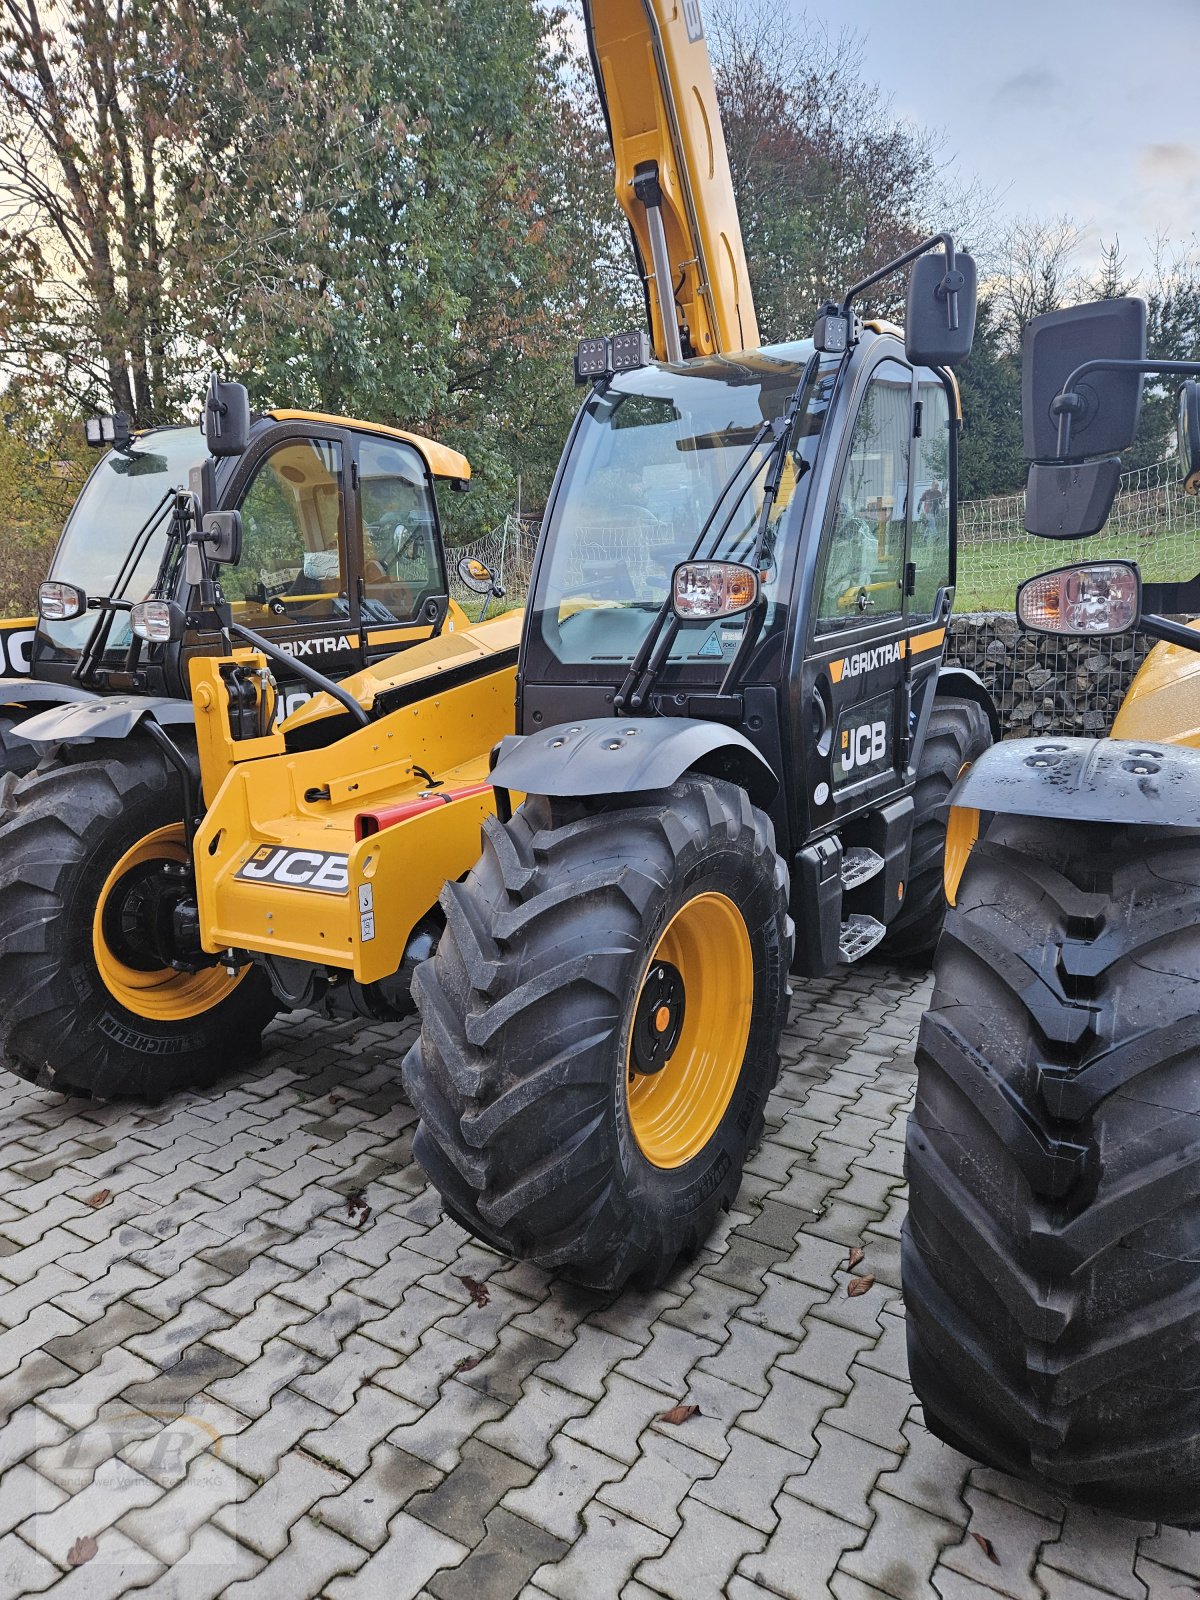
223, 1380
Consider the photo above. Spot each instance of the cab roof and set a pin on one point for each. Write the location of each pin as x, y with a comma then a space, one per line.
439, 458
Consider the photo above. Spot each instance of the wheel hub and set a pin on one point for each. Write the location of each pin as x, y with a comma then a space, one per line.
149, 919
658, 1020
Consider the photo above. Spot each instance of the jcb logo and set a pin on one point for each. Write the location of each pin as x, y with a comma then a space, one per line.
16, 650
864, 745
316, 870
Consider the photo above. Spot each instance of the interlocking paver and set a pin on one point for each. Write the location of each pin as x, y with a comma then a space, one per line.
602, 1559
559, 1492
263, 1521
803, 1555
653, 1489
842, 1475
365, 1508
511, 1551
1090, 1550
290, 1404
459, 1505
616, 1423
902, 1549
22, 1570
749, 1480
312, 1557
167, 1526
703, 1555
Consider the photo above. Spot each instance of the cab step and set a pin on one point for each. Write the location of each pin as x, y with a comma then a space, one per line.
859, 865
859, 936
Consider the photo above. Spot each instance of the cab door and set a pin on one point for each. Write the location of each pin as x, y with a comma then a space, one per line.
403, 593
856, 668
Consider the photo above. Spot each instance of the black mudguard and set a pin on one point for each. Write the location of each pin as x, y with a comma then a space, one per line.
31, 691
110, 717
630, 755
960, 683
1087, 780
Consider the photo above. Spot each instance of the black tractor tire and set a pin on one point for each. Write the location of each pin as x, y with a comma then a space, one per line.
522, 1074
1051, 1254
16, 758
62, 1026
958, 734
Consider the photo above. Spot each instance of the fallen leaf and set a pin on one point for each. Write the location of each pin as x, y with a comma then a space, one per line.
82, 1550
678, 1414
357, 1208
988, 1548
100, 1198
858, 1286
468, 1364
856, 1256
479, 1292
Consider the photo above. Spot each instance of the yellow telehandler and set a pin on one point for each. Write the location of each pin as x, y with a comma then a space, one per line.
323, 534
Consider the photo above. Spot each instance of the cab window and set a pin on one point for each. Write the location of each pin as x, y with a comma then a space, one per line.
402, 564
293, 562
929, 551
863, 570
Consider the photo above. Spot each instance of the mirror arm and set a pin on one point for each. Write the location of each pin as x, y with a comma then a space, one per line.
1067, 403
1170, 632
947, 289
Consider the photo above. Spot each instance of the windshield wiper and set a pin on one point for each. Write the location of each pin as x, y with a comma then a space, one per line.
652, 653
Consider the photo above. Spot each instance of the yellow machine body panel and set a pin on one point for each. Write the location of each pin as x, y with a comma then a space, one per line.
440, 459
1163, 701
279, 867
656, 82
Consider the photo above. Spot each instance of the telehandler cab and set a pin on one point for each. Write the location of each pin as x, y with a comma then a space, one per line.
736, 734
1051, 1248
326, 538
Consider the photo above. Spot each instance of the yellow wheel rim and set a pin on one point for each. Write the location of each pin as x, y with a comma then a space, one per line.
160, 995
689, 1026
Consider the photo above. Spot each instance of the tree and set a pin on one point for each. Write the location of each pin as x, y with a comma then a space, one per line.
830, 182
92, 100
990, 460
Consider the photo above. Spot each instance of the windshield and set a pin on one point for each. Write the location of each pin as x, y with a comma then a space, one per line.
653, 452
113, 505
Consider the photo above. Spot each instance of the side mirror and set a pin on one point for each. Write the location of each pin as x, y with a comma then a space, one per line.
158, 621
939, 324
1105, 418
1070, 499
477, 576
226, 418
1189, 435
221, 535
59, 601
1093, 599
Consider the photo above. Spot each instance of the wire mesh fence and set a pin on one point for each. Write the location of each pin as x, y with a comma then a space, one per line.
1040, 685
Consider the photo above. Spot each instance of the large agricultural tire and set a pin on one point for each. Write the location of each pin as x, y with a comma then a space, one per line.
1051, 1255
17, 757
588, 938
83, 1008
957, 735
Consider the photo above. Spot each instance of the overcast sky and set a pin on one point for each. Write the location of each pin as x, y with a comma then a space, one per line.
1082, 106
